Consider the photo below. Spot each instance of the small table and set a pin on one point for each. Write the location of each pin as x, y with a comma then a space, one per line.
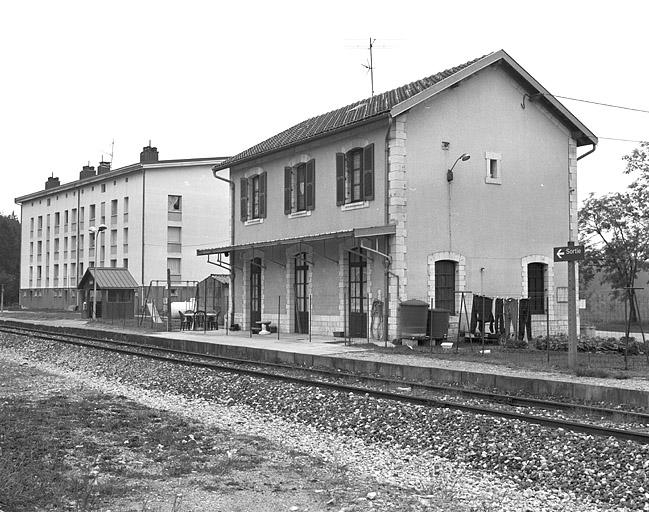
264, 326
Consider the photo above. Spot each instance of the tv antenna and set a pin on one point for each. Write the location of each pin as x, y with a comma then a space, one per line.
370, 66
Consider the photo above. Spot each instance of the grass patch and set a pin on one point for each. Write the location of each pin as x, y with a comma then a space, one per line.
602, 373
76, 453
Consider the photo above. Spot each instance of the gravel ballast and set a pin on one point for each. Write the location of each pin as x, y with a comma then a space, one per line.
481, 463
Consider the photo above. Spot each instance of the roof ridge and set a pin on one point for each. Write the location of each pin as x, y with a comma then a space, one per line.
344, 116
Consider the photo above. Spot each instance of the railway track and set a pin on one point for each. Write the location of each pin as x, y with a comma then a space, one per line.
423, 394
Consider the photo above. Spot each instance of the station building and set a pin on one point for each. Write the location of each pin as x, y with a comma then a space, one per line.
449, 187
156, 213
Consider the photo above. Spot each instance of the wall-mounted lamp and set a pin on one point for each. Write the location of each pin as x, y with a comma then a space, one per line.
449, 174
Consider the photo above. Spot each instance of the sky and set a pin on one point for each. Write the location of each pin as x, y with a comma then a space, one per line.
209, 78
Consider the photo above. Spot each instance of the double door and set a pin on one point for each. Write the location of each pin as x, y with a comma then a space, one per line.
357, 295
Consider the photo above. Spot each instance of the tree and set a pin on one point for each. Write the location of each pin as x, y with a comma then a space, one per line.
10, 257
615, 231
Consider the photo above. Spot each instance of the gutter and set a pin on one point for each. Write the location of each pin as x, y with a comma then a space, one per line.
388, 261
587, 152
215, 169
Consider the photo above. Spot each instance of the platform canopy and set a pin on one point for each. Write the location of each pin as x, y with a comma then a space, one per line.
388, 229
108, 278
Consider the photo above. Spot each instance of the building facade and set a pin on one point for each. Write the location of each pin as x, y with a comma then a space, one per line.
453, 187
156, 213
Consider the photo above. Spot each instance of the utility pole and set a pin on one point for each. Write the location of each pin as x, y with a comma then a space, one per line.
572, 313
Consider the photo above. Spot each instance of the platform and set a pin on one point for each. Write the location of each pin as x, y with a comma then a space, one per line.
362, 358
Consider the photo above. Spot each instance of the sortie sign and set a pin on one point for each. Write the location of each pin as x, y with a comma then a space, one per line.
569, 253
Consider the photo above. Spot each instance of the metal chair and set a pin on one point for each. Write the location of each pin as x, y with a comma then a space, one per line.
185, 321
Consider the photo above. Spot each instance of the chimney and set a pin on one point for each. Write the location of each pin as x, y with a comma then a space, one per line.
52, 182
103, 167
149, 154
87, 172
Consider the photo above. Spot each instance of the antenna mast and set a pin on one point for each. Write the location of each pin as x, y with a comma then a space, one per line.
370, 67
112, 151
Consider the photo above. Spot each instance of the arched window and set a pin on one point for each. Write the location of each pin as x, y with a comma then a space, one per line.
536, 287
445, 285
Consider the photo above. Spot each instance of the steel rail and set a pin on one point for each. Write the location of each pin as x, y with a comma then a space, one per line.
506, 399
585, 428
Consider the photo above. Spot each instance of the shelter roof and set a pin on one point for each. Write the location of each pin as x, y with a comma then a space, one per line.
109, 278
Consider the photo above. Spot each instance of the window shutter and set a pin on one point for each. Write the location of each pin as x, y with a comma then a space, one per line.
340, 178
262, 195
310, 185
288, 178
244, 199
368, 172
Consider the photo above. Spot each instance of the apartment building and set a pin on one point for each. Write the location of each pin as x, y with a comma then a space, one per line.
156, 212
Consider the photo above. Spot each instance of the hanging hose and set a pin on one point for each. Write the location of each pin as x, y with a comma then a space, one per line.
376, 327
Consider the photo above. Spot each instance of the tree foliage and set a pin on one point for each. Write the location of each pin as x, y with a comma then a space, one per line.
10, 256
615, 228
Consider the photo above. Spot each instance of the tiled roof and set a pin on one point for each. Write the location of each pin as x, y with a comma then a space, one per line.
110, 278
344, 117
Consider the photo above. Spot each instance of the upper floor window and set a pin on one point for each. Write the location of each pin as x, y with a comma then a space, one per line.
253, 197
355, 175
299, 188
174, 207
494, 172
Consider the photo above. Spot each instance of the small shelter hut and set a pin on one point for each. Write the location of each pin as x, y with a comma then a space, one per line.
115, 292
212, 295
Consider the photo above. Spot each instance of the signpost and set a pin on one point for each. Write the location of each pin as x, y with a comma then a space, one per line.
570, 254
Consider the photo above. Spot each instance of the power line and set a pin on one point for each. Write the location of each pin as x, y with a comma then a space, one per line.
599, 103
622, 140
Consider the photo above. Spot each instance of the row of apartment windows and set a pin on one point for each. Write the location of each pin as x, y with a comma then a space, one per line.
354, 184
70, 246
69, 217
64, 279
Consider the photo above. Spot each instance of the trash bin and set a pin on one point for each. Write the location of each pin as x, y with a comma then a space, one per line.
414, 314
439, 323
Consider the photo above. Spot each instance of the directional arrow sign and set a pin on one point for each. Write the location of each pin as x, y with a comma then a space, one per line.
569, 253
